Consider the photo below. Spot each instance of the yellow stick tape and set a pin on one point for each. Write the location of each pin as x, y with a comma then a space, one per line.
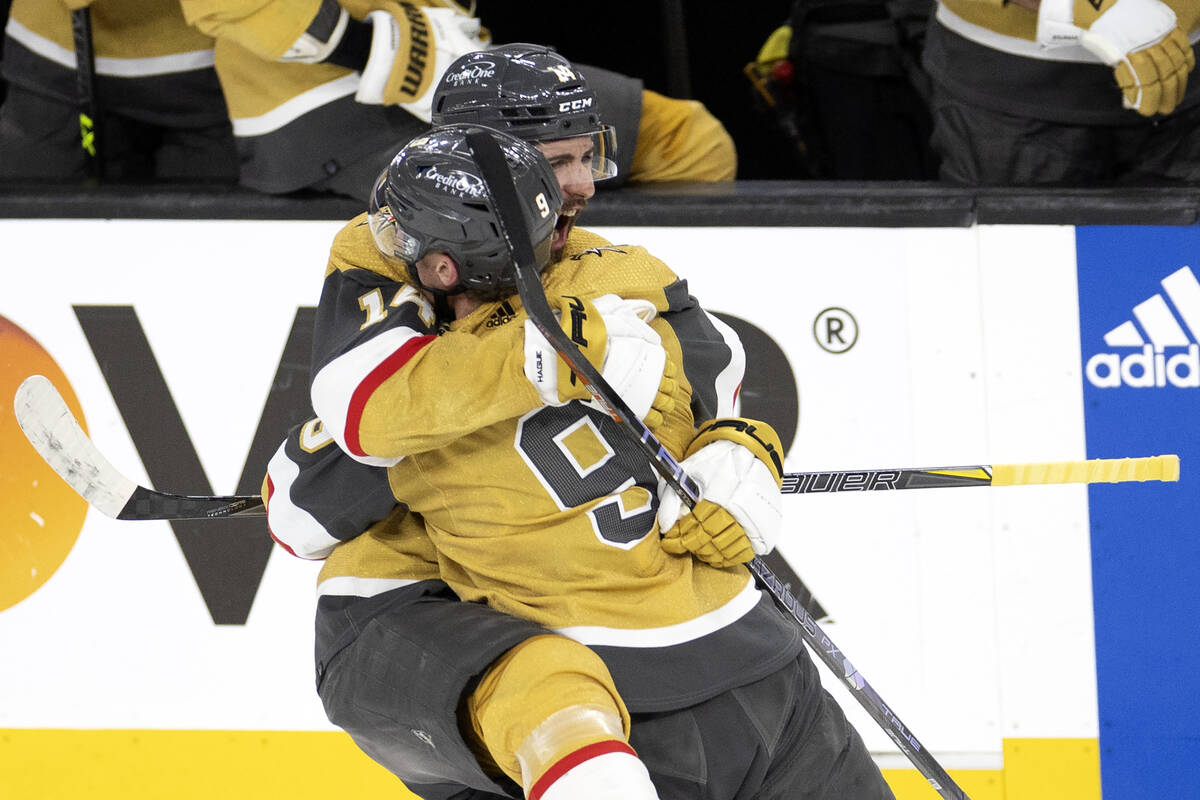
1096, 470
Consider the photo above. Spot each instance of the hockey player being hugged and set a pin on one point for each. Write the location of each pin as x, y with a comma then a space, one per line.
538, 505
318, 496
399, 578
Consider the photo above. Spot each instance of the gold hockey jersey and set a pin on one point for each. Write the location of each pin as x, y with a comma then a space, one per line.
546, 513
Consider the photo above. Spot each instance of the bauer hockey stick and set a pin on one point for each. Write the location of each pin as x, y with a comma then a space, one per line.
503, 191
1095, 470
58, 438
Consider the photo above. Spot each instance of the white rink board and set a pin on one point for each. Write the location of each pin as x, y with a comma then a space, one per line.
120, 637
950, 602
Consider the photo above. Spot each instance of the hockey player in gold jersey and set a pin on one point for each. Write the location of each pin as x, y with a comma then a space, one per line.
390, 580
538, 505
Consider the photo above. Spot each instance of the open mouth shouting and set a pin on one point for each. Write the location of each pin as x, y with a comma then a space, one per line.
562, 228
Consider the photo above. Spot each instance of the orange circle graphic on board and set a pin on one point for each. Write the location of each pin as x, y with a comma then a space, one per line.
40, 516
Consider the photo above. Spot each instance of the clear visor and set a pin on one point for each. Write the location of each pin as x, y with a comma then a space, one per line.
595, 152
391, 240
604, 153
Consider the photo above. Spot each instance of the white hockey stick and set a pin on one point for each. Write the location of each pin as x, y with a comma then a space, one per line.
61, 442
55, 433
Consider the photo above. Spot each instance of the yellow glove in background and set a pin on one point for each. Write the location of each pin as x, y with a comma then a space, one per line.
1140, 39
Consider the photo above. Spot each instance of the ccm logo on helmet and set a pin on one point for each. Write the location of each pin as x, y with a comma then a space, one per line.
576, 105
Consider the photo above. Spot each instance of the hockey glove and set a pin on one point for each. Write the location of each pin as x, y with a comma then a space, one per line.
410, 49
738, 465
1140, 39
670, 395
614, 336
401, 52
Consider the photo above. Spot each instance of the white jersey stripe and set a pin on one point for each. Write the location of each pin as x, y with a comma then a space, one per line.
730, 380
669, 635
350, 586
303, 534
335, 387
296, 107
1026, 48
115, 67
1012, 44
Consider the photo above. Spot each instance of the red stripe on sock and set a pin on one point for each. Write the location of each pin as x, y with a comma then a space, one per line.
567, 762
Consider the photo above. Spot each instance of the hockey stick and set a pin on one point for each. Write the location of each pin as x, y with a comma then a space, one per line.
498, 178
56, 435
85, 88
1095, 470
61, 442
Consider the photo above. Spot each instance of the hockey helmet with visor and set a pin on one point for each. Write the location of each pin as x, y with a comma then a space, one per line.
529, 91
432, 198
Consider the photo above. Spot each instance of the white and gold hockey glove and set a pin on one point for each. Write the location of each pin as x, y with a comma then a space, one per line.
411, 47
738, 465
1140, 39
400, 51
615, 336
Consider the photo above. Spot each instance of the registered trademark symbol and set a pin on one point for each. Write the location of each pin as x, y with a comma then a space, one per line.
835, 330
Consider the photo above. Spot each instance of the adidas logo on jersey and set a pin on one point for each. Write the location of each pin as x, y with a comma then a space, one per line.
1155, 350
501, 315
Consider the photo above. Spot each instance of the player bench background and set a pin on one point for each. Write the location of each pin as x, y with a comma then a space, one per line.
1032, 637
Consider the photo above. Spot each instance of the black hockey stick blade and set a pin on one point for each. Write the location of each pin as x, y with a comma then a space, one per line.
58, 438
498, 177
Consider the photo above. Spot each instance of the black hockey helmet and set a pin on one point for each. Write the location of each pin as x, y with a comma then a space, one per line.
527, 90
432, 197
